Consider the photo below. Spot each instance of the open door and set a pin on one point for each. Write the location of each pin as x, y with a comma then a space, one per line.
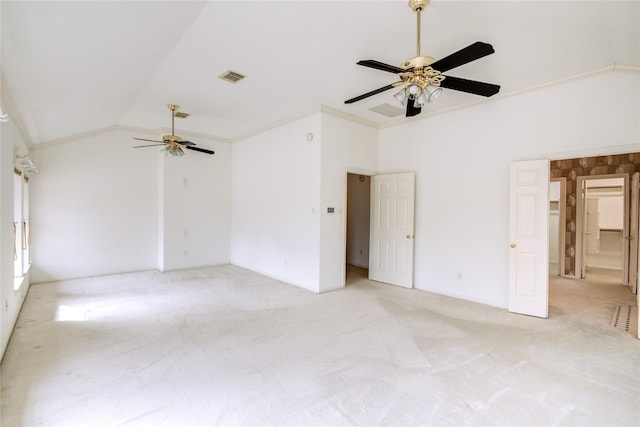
529, 238
634, 225
391, 239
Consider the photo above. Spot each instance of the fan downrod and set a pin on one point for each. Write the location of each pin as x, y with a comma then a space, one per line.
172, 138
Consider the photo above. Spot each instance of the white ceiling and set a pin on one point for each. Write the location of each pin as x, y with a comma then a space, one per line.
75, 67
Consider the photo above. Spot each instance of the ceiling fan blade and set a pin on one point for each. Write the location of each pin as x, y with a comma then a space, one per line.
470, 53
373, 92
152, 145
372, 63
150, 140
411, 110
186, 143
202, 150
470, 86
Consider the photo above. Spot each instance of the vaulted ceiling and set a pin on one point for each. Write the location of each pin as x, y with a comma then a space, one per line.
76, 67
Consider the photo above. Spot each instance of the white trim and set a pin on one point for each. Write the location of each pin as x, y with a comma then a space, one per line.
350, 117
320, 109
562, 222
580, 222
114, 128
276, 124
595, 152
9, 107
609, 68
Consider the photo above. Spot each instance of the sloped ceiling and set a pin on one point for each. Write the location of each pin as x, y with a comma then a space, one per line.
75, 67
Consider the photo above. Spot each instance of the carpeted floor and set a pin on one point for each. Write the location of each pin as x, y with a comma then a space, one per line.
225, 346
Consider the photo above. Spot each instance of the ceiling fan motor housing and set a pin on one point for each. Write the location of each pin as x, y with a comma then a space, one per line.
418, 61
171, 138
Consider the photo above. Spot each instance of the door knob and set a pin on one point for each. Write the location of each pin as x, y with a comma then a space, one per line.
513, 245
409, 236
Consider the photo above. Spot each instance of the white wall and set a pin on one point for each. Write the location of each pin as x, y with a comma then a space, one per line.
611, 212
195, 204
276, 203
10, 299
96, 208
282, 187
462, 159
346, 147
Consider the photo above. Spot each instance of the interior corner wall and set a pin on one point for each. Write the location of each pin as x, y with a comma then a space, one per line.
10, 299
93, 208
462, 158
194, 221
346, 147
276, 203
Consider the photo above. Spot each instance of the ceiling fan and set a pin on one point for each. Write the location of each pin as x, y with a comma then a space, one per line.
421, 77
173, 144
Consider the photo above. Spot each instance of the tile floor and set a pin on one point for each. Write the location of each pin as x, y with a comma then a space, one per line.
225, 346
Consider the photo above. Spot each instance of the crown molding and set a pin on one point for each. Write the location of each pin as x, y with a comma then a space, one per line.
71, 138
614, 67
595, 152
321, 109
276, 124
9, 106
124, 128
349, 117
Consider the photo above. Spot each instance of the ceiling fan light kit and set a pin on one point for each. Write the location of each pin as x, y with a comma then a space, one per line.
421, 77
174, 144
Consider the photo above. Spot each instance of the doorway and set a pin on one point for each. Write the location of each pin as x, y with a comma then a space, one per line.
358, 227
572, 172
557, 224
602, 221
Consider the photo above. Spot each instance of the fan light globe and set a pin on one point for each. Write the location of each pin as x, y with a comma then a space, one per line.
401, 96
420, 101
434, 93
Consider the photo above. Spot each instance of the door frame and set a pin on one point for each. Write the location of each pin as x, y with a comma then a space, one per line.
562, 219
634, 233
353, 171
580, 209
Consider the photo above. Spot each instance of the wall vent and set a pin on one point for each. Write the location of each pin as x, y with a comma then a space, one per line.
231, 76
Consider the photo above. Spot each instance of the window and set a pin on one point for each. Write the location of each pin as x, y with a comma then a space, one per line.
21, 232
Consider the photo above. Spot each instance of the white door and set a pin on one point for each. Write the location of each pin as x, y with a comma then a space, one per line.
634, 233
391, 247
529, 238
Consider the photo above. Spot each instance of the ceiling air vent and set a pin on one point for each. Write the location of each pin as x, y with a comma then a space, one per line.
387, 110
231, 76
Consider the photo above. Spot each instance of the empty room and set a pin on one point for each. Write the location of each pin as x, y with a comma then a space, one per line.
319, 213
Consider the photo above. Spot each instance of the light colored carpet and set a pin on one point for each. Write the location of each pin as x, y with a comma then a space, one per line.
224, 346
